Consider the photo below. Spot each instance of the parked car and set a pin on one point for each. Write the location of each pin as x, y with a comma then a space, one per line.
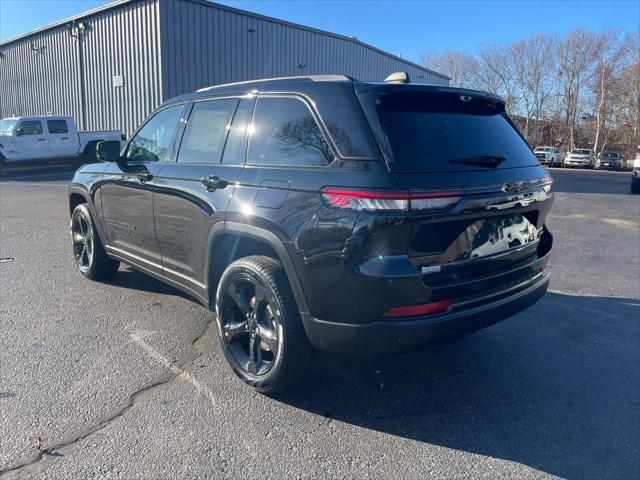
635, 175
609, 160
323, 213
29, 141
549, 156
580, 157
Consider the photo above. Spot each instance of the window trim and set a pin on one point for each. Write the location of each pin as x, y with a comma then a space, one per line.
171, 148
57, 120
23, 121
185, 122
317, 118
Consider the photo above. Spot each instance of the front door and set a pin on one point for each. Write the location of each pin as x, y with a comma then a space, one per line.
127, 191
30, 141
192, 193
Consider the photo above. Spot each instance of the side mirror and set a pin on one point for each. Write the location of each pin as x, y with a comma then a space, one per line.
19, 132
108, 150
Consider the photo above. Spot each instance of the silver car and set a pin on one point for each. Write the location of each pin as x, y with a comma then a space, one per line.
580, 157
549, 156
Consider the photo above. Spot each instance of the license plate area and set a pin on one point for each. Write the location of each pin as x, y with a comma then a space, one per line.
487, 237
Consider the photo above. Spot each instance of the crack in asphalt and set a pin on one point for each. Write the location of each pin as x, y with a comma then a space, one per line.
198, 345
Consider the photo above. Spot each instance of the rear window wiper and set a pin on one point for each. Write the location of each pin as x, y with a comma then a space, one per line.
489, 161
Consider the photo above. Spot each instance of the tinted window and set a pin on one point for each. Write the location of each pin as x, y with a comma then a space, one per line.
443, 132
152, 141
581, 152
206, 131
236, 148
31, 127
284, 132
342, 115
57, 126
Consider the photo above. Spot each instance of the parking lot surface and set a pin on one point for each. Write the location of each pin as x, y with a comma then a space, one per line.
125, 379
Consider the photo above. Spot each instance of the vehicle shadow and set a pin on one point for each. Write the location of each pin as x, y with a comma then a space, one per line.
129, 277
556, 388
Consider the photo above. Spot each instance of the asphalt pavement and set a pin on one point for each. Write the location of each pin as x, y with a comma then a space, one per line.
125, 379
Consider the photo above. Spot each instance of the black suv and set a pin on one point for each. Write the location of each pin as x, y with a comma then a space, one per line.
323, 213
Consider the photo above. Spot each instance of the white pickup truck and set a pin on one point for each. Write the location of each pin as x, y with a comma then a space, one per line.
26, 141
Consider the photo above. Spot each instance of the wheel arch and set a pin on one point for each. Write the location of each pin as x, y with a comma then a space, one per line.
234, 240
79, 194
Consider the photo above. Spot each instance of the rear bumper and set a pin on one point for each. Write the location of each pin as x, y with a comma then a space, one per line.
404, 335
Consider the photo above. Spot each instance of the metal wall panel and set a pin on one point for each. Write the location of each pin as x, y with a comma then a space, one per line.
40, 75
162, 48
209, 44
71, 77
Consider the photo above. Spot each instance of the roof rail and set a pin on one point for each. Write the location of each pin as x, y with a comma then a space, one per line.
314, 78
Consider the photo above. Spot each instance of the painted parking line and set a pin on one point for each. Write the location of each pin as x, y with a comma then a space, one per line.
138, 338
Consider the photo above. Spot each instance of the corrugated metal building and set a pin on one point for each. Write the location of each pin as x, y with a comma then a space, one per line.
111, 66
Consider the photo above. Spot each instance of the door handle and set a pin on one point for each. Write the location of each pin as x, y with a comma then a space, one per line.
144, 176
42, 139
64, 138
212, 183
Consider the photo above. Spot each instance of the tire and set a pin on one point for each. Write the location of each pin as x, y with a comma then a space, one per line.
88, 251
261, 333
635, 185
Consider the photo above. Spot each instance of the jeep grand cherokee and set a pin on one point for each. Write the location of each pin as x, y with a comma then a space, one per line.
323, 213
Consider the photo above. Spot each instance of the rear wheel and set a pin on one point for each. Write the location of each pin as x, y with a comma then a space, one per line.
88, 251
260, 328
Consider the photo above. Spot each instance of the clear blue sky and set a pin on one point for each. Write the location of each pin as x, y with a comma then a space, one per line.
400, 27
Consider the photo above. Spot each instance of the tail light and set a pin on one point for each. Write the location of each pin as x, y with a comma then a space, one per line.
376, 201
418, 310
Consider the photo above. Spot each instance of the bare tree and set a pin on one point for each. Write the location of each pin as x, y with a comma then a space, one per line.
497, 73
532, 59
462, 67
576, 54
629, 123
605, 87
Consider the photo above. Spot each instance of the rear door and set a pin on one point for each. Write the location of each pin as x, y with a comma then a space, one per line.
193, 192
63, 140
31, 141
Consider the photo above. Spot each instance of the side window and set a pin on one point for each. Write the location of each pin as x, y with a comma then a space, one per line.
206, 131
57, 126
284, 132
152, 141
31, 127
236, 148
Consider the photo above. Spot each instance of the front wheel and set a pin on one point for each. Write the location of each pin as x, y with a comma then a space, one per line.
261, 333
88, 251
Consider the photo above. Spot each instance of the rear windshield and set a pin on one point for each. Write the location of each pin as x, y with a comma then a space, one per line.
447, 132
610, 154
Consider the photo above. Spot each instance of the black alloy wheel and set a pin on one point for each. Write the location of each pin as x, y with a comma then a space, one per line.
82, 237
260, 329
88, 251
251, 326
